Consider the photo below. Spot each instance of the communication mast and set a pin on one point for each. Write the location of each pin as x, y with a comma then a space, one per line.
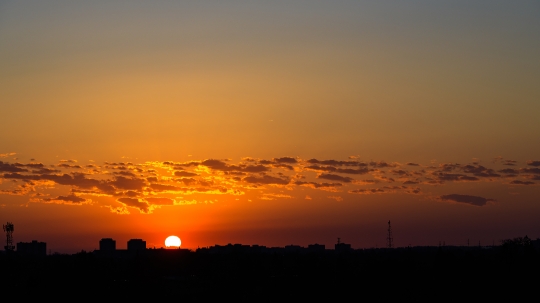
390, 239
8, 228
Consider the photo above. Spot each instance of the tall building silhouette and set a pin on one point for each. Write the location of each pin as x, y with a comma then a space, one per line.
107, 244
136, 245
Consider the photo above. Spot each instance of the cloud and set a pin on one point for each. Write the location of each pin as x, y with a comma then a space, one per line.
130, 193
447, 167
159, 201
190, 181
336, 162
71, 199
509, 171
315, 185
166, 187
31, 165
400, 172
289, 160
185, 202
533, 163
414, 191
288, 167
125, 173
479, 171
367, 191
411, 182
265, 180
128, 183
5, 155
215, 164
10, 168
77, 179
534, 170
65, 165
454, 177
271, 196
386, 190
519, 182
222, 166
335, 178
253, 169
332, 169
132, 202
45, 171
472, 200
181, 173
364, 182
150, 185
382, 164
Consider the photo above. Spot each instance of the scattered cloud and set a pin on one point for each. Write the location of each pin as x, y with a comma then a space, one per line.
467, 199
533, 163
519, 182
160, 201
314, 185
70, 199
181, 173
288, 160
367, 191
333, 177
12, 168
150, 185
133, 202
271, 196
265, 180
534, 170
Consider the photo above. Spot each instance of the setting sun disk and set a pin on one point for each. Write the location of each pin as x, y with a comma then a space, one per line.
172, 242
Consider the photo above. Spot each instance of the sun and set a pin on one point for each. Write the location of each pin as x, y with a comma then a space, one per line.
173, 242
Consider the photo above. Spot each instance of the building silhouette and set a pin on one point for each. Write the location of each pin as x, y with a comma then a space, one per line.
136, 245
33, 248
341, 247
107, 244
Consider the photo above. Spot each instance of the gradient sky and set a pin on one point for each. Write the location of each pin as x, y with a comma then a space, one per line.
269, 122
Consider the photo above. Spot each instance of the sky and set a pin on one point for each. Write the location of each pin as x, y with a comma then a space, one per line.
269, 122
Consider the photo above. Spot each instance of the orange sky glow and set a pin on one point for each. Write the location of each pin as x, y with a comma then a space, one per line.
270, 123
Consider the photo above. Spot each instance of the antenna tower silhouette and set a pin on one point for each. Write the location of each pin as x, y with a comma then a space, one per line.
390, 239
8, 228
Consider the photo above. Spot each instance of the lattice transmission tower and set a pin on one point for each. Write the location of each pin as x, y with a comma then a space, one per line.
8, 228
390, 239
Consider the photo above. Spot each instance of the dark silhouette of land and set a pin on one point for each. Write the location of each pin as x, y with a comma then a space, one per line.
255, 273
